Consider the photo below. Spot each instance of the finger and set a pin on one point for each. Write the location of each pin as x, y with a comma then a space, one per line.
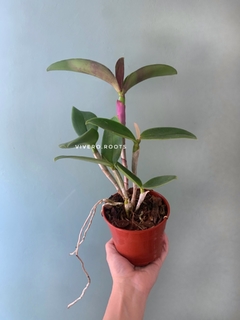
110, 249
109, 243
109, 246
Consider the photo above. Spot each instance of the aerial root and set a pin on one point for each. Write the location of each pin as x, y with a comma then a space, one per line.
81, 237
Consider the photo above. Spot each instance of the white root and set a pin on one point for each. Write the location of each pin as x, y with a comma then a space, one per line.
81, 237
141, 199
85, 288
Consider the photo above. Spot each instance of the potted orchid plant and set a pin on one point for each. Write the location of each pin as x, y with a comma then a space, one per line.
136, 216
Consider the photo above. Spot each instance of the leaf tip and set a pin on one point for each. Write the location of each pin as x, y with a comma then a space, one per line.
49, 68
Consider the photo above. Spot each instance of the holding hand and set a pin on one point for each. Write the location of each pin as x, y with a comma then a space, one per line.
131, 285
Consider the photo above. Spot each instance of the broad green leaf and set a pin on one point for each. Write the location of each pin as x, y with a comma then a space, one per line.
154, 70
88, 159
158, 181
113, 126
88, 138
166, 133
111, 145
90, 67
129, 174
78, 120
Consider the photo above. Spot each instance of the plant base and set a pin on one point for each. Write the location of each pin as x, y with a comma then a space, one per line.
140, 247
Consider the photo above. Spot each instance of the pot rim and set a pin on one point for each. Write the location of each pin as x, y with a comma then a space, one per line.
145, 230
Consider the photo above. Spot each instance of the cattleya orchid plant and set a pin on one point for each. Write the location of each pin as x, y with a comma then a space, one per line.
115, 133
113, 148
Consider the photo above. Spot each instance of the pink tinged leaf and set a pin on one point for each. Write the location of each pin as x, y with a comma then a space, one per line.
121, 112
119, 72
147, 72
90, 67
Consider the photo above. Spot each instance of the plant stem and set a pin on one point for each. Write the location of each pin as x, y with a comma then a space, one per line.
106, 171
127, 202
121, 113
135, 156
120, 183
124, 162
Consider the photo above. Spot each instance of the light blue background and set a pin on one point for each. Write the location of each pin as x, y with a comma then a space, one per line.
43, 204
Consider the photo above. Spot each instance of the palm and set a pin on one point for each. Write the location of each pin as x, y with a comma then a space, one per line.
123, 272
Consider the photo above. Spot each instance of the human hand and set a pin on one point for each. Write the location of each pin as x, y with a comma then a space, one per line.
124, 273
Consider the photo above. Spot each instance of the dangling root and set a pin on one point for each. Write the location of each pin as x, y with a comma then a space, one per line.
81, 237
87, 285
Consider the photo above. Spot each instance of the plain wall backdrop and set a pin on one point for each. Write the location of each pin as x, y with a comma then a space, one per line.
43, 204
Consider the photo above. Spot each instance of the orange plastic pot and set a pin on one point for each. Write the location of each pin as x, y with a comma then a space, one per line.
140, 247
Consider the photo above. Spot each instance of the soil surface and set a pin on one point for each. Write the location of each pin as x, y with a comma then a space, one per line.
151, 212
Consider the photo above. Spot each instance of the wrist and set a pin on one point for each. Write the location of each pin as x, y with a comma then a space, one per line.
126, 302
130, 291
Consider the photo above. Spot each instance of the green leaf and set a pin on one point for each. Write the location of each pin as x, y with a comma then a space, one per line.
88, 138
154, 70
158, 181
78, 121
90, 67
129, 174
166, 133
113, 126
88, 159
111, 145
